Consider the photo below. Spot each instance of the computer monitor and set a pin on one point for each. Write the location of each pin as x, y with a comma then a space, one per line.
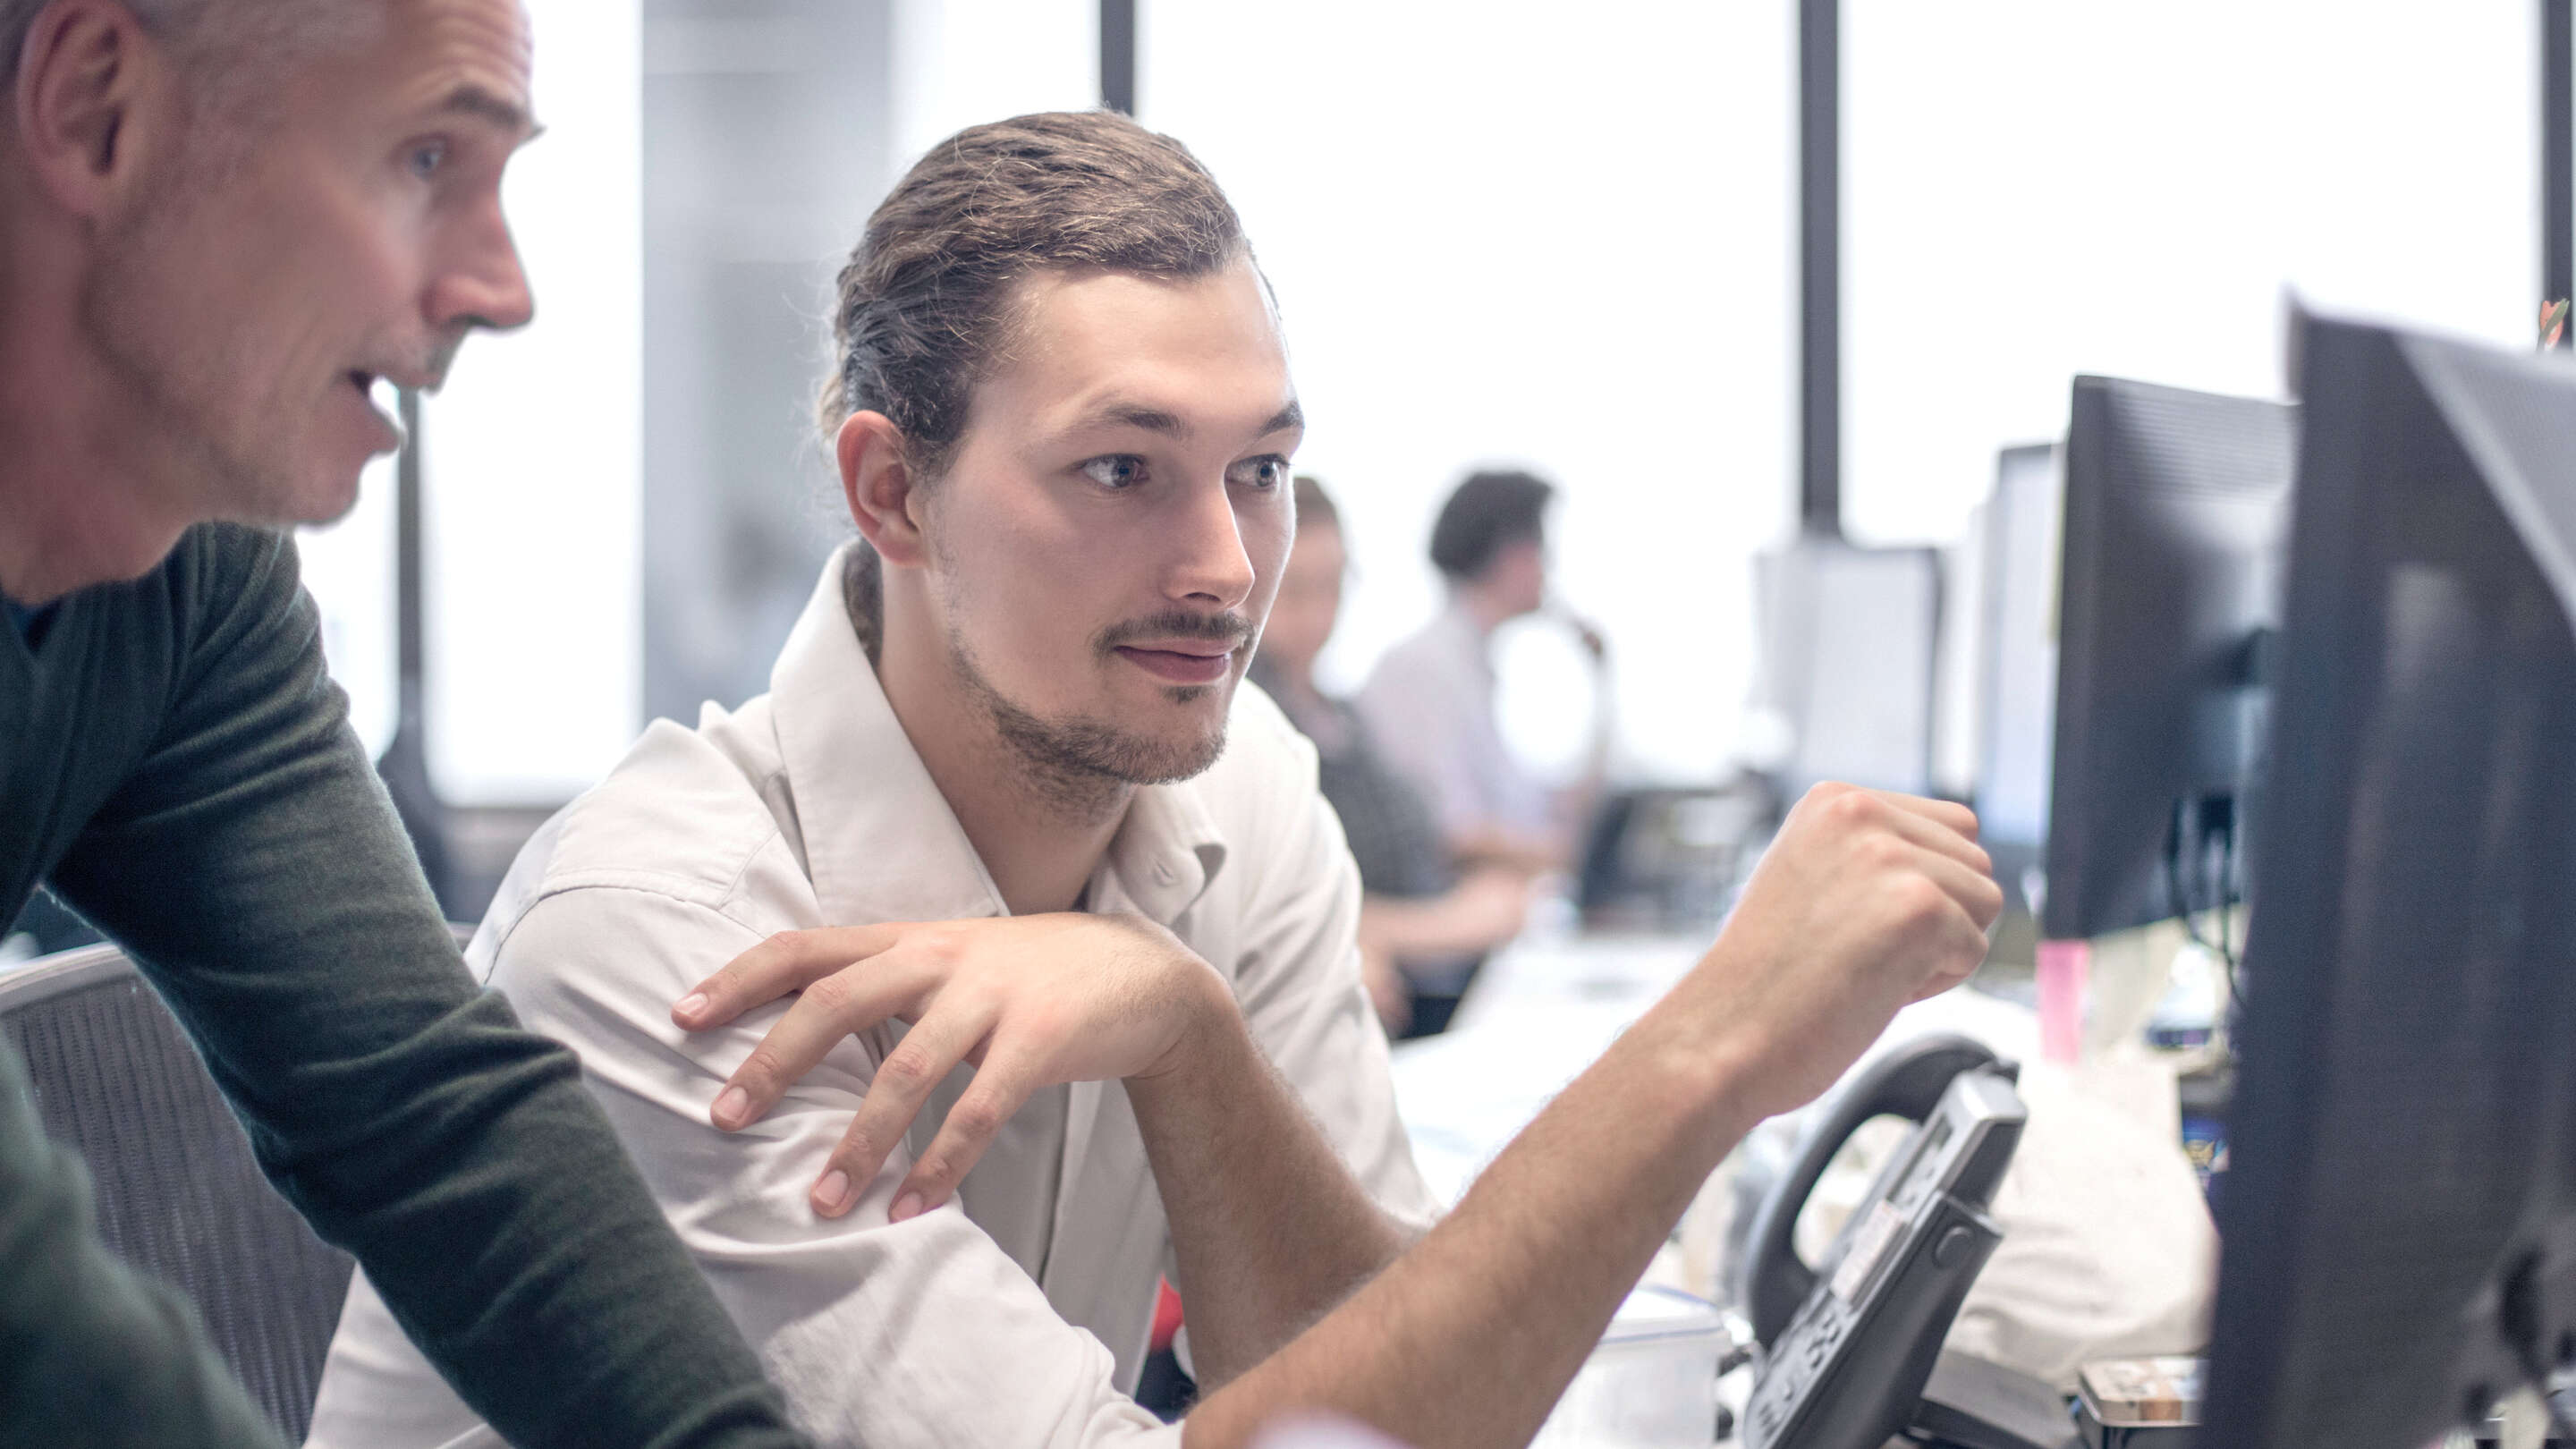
2400, 1217
2017, 656
2177, 506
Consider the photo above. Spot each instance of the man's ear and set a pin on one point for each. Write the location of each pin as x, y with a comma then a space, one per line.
878, 482
91, 84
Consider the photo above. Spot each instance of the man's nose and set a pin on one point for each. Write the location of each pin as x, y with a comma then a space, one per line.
482, 283
1210, 565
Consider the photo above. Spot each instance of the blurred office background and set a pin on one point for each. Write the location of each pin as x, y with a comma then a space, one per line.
1563, 237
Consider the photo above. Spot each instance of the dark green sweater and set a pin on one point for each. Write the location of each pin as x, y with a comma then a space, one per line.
174, 761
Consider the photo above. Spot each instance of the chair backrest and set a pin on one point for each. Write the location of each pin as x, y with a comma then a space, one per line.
179, 1194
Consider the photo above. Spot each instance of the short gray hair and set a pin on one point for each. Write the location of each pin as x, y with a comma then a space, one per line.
224, 32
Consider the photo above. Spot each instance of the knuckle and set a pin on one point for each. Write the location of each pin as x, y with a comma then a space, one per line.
859, 1153
975, 1118
829, 995
1849, 808
761, 1068
905, 1069
1918, 902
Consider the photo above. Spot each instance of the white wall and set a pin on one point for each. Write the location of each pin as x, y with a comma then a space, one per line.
962, 62
2037, 188
349, 568
531, 458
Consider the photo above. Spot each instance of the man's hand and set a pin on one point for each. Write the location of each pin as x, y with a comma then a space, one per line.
1031, 1001
1866, 901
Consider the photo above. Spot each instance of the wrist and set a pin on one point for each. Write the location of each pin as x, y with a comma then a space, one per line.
1705, 1066
1209, 1034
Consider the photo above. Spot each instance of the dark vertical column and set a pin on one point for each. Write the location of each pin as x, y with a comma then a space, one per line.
1118, 56
2557, 156
405, 766
1820, 271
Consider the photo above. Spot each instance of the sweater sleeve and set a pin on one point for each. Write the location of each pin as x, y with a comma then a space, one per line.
256, 871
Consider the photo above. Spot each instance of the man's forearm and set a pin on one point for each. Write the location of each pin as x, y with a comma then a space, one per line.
1503, 1300
1270, 1228
1865, 901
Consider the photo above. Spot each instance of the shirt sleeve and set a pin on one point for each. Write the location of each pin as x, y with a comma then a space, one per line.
923, 1333
254, 868
1300, 986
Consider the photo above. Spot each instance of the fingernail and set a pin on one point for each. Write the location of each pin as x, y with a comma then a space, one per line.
691, 1004
732, 1106
833, 1191
908, 1205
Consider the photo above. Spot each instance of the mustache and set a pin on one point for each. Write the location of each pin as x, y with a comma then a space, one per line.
1228, 628
442, 356
428, 362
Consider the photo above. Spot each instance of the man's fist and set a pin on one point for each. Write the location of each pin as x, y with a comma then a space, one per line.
1866, 901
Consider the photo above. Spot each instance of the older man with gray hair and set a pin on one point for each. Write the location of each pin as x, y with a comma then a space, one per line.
222, 224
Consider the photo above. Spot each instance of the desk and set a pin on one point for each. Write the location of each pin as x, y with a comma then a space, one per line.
1543, 1010
1538, 1014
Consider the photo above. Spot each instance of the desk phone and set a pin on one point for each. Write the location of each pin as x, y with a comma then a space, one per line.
1850, 1342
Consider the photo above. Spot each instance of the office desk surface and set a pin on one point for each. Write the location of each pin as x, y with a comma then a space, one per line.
1543, 1010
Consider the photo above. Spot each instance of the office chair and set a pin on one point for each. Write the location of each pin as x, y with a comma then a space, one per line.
178, 1192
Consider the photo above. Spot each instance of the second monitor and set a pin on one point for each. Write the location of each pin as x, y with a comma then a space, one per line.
2176, 522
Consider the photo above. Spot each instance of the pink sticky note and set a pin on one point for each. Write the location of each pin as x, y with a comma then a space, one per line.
2063, 966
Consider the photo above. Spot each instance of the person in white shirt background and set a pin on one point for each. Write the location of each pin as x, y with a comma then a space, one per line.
1431, 697
1006, 809
1431, 701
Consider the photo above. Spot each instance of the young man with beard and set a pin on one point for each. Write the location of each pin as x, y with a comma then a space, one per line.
1004, 809
221, 223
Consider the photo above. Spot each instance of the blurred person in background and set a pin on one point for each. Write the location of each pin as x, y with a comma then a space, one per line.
1424, 925
222, 224
1430, 700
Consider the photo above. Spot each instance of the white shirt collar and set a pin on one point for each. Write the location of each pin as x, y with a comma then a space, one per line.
880, 841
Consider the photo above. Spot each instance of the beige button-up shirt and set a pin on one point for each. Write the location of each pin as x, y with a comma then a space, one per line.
1017, 1314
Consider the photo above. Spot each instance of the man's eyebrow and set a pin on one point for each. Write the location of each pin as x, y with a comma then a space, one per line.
500, 110
1156, 420
1133, 415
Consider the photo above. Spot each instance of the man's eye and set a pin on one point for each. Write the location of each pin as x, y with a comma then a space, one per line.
424, 160
1264, 473
1118, 470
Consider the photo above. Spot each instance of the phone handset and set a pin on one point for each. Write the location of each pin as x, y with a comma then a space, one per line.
1907, 1082
1849, 1342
